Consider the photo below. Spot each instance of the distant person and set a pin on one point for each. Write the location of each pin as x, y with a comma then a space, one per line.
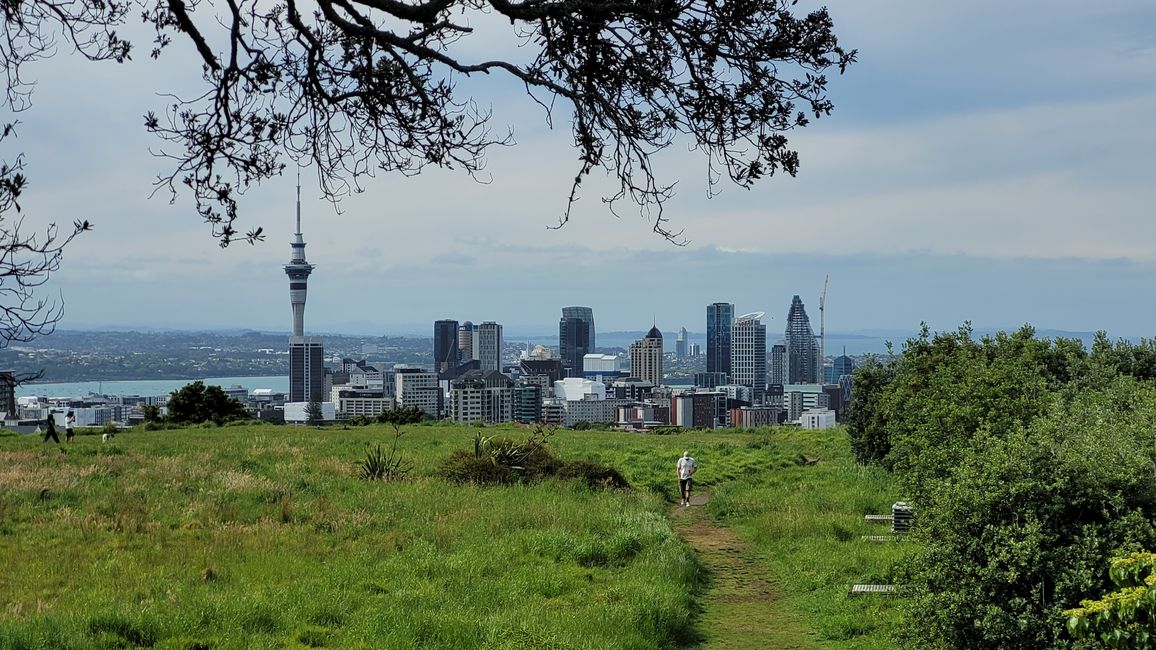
50, 430
685, 468
69, 426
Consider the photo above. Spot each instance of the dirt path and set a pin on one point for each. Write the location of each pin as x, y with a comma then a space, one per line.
742, 606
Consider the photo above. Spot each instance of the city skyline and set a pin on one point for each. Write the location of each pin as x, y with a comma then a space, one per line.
993, 187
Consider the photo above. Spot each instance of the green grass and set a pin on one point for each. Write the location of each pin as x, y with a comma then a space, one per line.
806, 523
263, 537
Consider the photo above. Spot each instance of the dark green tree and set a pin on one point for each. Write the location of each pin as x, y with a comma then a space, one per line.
314, 416
196, 403
401, 416
1021, 526
866, 423
151, 413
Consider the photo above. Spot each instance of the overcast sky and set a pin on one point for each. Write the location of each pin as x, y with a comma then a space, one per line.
986, 161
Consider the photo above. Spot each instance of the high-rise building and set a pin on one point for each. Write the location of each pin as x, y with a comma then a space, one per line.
680, 344
749, 355
489, 345
575, 338
719, 319
446, 352
842, 365
306, 353
466, 341
306, 369
417, 387
779, 363
803, 363
646, 357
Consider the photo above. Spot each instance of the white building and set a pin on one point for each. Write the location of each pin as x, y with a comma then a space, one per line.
735, 391
592, 409
818, 419
297, 412
418, 388
601, 367
489, 341
646, 357
574, 389
466, 403
355, 402
749, 354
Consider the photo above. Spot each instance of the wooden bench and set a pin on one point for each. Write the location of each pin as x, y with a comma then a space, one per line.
882, 538
879, 519
885, 590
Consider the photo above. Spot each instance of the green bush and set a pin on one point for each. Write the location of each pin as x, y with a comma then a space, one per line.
500, 461
593, 474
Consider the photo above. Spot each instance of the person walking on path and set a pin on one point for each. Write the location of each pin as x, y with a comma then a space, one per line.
69, 425
685, 469
50, 430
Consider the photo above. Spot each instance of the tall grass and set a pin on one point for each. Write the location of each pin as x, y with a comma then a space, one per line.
261, 536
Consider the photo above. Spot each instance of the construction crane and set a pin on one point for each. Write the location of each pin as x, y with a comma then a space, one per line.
823, 328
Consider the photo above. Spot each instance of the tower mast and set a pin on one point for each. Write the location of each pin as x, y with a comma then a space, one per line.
823, 329
298, 271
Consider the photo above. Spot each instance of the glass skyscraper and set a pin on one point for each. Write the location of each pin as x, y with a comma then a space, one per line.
446, 354
802, 350
719, 319
575, 338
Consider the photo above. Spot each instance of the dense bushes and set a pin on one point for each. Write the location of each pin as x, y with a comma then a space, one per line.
1029, 463
500, 461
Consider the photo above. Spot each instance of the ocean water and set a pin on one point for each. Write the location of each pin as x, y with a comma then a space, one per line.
144, 388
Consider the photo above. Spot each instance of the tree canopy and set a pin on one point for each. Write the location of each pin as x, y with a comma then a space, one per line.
1029, 463
355, 87
196, 403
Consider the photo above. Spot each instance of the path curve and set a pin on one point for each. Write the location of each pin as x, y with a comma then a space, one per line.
742, 606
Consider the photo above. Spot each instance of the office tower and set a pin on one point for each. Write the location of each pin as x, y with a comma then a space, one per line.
575, 338
646, 357
802, 350
446, 354
719, 317
779, 363
306, 353
843, 365
417, 387
680, 344
693, 350
307, 369
466, 339
749, 355
489, 345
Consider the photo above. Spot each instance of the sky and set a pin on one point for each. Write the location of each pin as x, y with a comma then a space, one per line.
989, 162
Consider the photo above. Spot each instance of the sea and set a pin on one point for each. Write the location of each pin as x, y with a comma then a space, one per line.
146, 387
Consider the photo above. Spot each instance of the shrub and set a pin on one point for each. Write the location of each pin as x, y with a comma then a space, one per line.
593, 474
502, 462
1125, 618
381, 466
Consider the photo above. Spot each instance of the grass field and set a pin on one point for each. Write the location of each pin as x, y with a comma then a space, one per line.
259, 536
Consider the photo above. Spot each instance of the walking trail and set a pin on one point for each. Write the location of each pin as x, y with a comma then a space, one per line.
742, 606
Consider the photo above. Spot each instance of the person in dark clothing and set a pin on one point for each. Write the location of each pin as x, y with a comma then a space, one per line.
50, 430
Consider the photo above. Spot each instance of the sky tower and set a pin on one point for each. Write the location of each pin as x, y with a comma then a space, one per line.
298, 271
306, 353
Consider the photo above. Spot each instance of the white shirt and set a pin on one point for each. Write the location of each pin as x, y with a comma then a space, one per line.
686, 467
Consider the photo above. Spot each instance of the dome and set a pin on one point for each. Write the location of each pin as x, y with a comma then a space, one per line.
654, 333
